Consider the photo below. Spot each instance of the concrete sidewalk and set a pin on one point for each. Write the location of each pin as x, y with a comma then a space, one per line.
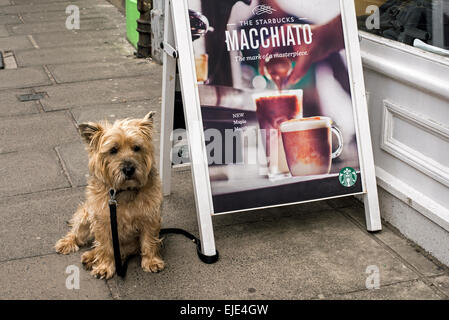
314, 251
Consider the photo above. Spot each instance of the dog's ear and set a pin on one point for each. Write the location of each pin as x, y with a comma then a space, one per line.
148, 122
150, 116
90, 132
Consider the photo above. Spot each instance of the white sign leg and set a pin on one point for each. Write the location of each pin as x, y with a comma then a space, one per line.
372, 210
168, 105
194, 125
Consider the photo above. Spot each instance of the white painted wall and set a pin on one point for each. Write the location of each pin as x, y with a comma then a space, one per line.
408, 92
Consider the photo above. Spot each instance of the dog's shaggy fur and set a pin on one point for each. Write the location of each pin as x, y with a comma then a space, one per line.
121, 157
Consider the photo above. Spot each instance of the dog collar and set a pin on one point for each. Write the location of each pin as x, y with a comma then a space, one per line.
116, 192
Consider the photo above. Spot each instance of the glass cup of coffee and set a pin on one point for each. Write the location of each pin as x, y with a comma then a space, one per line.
272, 109
308, 145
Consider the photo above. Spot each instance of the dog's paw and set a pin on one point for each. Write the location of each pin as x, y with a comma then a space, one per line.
153, 264
103, 271
88, 259
66, 245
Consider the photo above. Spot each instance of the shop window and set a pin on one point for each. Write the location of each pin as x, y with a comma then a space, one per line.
419, 23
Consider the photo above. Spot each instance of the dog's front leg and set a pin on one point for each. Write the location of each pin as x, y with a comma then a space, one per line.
149, 248
103, 266
78, 235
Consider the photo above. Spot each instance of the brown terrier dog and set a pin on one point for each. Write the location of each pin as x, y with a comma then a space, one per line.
121, 157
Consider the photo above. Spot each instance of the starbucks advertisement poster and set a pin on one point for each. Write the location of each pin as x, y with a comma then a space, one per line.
275, 95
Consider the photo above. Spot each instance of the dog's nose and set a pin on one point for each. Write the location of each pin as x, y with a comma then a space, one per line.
129, 170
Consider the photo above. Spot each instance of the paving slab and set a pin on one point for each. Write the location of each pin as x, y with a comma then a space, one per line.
30, 2
74, 157
15, 43
85, 14
294, 257
9, 18
36, 131
411, 290
38, 220
344, 202
178, 209
400, 245
442, 283
37, 6
85, 38
3, 31
124, 67
30, 171
100, 23
23, 78
45, 278
11, 106
71, 54
34, 2
110, 91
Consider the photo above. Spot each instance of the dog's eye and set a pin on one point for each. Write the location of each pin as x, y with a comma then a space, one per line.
113, 150
136, 148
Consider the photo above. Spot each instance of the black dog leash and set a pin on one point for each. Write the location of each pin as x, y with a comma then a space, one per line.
121, 268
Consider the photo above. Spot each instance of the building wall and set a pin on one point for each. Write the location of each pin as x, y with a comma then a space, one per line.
415, 226
408, 101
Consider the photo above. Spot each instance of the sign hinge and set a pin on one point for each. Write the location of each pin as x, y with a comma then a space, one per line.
169, 50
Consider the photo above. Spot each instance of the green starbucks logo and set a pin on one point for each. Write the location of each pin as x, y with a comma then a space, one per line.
347, 177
